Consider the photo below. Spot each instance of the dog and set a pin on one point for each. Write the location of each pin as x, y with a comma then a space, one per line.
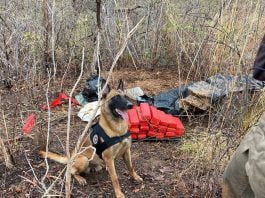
112, 142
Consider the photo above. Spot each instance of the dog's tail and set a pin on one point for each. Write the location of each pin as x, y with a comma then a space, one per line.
53, 156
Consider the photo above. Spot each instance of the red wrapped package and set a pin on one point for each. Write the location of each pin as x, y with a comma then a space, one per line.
145, 110
133, 117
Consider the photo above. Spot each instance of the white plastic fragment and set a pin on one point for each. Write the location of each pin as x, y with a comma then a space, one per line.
87, 111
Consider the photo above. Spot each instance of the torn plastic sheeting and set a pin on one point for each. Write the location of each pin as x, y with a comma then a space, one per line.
145, 99
134, 93
80, 99
63, 96
218, 87
29, 124
228, 83
137, 94
214, 88
58, 101
86, 113
166, 100
205, 90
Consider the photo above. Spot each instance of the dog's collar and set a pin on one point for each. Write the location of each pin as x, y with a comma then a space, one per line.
98, 134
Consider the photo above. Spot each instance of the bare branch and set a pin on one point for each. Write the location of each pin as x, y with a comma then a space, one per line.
48, 128
7, 156
68, 170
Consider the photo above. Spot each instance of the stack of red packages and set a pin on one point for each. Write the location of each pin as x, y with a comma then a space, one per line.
147, 121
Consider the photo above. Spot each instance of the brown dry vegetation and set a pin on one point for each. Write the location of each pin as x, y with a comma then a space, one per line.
177, 42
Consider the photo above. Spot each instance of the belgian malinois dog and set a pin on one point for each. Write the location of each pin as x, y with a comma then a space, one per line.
113, 121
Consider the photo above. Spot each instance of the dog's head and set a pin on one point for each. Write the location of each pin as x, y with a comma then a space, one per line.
116, 102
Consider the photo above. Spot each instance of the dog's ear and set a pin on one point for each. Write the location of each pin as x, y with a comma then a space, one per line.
105, 92
120, 85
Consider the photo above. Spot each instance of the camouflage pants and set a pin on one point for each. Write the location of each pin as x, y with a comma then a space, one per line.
245, 173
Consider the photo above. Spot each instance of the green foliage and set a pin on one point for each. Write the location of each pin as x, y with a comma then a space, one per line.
82, 29
32, 41
190, 147
170, 27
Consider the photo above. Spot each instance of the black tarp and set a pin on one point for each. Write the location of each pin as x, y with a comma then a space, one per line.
213, 88
166, 101
90, 91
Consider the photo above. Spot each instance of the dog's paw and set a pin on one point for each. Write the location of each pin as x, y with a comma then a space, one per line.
81, 180
88, 170
119, 195
98, 168
137, 178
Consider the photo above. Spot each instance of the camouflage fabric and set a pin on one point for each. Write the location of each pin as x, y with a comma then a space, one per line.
245, 173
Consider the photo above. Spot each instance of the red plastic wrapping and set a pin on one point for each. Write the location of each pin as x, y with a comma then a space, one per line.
141, 136
29, 124
134, 136
133, 117
162, 129
144, 128
58, 101
155, 119
147, 121
134, 130
171, 134
145, 110
142, 120
151, 133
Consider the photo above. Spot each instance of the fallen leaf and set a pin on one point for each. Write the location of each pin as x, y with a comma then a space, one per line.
166, 169
138, 189
42, 164
160, 178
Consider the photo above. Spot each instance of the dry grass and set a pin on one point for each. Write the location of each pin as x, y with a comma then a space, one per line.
254, 112
151, 81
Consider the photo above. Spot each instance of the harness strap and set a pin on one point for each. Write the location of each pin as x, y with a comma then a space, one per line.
98, 133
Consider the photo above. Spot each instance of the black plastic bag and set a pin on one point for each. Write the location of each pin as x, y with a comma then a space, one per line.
90, 92
166, 101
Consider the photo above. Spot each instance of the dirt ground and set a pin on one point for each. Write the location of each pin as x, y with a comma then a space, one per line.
158, 163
